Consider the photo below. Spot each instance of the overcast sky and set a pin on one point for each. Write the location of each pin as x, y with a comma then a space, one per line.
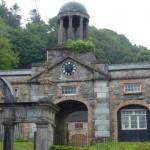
128, 17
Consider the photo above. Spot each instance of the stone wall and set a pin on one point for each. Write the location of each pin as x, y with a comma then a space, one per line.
119, 99
101, 115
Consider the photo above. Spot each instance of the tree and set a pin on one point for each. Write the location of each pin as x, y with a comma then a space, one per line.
143, 55
10, 17
35, 17
8, 59
52, 32
14, 17
30, 43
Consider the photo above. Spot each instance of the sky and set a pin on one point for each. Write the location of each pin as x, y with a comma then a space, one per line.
128, 17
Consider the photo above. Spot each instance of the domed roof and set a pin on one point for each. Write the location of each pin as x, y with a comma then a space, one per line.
73, 7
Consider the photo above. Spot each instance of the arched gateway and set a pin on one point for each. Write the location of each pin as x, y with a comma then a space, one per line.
71, 123
41, 113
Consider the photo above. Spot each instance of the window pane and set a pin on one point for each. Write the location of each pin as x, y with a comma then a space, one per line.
132, 88
68, 90
134, 122
133, 119
125, 122
142, 121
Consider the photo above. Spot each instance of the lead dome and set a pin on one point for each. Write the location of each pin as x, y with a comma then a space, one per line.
73, 7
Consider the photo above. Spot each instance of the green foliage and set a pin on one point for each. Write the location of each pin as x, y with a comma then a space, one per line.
143, 54
35, 17
10, 16
52, 32
8, 58
30, 42
57, 147
120, 146
107, 146
111, 46
80, 46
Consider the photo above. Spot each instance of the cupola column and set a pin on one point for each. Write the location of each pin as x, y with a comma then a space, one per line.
70, 27
86, 29
60, 32
81, 28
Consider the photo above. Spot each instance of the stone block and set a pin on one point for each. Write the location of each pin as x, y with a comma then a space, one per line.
102, 122
100, 84
101, 89
102, 134
101, 111
102, 95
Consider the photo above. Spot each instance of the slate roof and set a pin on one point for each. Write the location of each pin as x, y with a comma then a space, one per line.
114, 67
136, 66
17, 72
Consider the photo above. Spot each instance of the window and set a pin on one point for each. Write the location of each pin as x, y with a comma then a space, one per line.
78, 125
69, 90
133, 119
130, 88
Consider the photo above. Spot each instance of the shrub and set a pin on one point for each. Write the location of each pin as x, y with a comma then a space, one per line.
80, 46
58, 147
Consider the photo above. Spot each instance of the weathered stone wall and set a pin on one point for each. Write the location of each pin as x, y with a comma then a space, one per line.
57, 55
20, 87
101, 115
119, 99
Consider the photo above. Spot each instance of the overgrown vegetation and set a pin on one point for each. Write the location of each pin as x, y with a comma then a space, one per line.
22, 46
57, 147
80, 46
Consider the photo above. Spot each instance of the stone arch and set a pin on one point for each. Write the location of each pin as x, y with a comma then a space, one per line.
117, 108
89, 112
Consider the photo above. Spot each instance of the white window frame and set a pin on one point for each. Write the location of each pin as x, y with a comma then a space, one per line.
133, 112
69, 90
132, 88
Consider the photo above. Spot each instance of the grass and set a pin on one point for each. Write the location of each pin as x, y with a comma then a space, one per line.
20, 146
121, 146
109, 146
106, 146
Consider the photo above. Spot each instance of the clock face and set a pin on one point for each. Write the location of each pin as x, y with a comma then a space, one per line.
68, 68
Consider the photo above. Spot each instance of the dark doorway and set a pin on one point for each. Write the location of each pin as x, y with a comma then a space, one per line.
133, 123
70, 111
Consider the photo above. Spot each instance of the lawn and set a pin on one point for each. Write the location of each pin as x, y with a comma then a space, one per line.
108, 146
121, 146
20, 146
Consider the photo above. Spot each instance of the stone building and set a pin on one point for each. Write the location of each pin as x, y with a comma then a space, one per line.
104, 102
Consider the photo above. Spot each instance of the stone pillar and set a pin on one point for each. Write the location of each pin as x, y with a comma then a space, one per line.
81, 28
70, 28
86, 29
60, 32
8, 136
42, 137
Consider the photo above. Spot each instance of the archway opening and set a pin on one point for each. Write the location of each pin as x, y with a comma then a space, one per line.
71, 120
133, 123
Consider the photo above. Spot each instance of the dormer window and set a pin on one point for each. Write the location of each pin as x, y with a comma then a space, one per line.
132, 88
